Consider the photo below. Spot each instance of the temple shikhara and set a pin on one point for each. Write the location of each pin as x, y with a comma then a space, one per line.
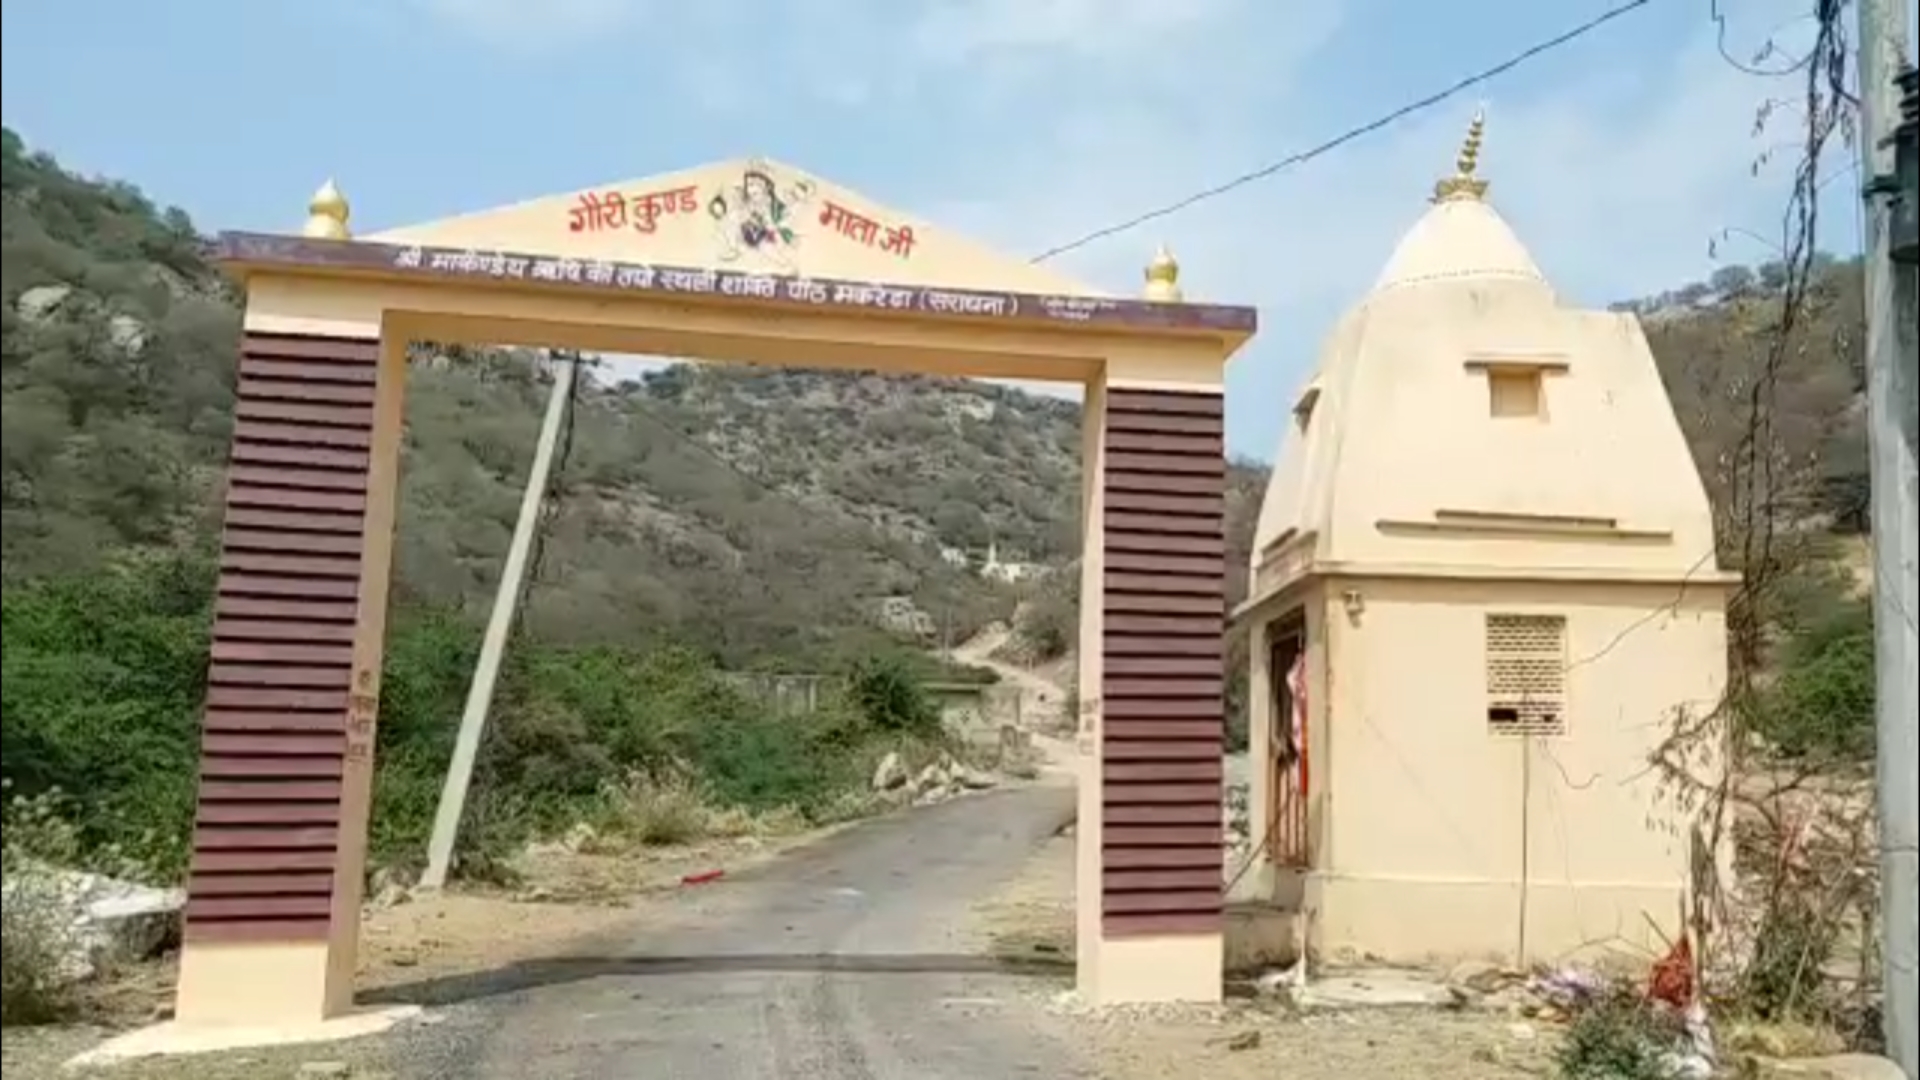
1484, 590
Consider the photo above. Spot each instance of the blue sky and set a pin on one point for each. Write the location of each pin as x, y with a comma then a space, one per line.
1023, 122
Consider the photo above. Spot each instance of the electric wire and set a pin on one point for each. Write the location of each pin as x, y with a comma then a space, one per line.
1418, 105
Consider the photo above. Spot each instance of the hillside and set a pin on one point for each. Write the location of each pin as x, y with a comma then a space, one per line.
1714, 341
759, 513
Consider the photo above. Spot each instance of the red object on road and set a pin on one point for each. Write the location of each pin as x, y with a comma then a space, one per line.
703, 877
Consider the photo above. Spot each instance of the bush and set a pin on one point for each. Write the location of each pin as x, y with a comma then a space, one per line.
36, 937
105, 683
1821, 707
1049, 623
106, 679
1619, 1036
1785, 979
36, 922
888, 698
105, 676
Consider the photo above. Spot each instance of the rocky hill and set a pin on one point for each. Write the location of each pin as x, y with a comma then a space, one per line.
763, 514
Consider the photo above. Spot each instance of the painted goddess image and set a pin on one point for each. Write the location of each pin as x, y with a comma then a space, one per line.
756, 217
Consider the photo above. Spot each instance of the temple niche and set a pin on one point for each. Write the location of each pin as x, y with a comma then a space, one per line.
1484, 587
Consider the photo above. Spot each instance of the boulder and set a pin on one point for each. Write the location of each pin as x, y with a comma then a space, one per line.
41, 301
99, 920
973, 779
127, 333
890, 773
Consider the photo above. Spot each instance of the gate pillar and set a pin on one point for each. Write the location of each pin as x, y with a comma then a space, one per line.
279, 843
1152, 678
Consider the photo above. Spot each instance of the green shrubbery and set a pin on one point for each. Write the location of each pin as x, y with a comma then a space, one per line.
105, 681
1820, 708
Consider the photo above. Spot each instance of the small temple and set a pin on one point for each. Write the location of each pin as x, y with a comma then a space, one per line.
1484, 590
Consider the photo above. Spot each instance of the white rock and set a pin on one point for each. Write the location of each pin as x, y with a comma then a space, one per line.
890, 773
127, 333
932, 776
973, 779
104, 919
41, 301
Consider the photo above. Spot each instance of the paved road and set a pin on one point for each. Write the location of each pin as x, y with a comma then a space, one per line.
842, 961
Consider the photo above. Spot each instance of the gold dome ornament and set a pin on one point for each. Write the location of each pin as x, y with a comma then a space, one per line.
327, 214
1163, 278
1465, 183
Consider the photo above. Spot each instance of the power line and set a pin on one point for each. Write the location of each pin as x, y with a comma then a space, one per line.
1350, 135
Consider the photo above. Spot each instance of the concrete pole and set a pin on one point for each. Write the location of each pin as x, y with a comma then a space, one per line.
1890, 296
493, 647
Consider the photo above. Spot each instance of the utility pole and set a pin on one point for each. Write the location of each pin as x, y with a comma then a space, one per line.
493, 647
1891, 337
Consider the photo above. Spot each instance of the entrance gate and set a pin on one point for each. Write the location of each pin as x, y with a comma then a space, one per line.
746, 262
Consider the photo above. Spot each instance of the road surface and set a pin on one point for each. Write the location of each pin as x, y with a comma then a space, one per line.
846, 960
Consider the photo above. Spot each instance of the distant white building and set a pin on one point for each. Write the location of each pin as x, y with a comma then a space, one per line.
994, 568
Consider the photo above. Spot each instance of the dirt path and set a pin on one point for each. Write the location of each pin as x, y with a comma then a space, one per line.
1043, 701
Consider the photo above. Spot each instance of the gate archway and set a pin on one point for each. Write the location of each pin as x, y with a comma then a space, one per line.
743, 262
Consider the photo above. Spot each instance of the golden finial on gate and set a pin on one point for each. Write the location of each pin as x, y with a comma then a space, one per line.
1465, 183
1163, 278
327, 214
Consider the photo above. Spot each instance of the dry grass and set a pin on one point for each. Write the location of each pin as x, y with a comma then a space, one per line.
676, 812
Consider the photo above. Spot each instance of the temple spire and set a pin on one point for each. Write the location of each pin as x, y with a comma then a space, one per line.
1465, 183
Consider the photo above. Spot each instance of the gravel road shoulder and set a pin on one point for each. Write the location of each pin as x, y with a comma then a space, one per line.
1031, 917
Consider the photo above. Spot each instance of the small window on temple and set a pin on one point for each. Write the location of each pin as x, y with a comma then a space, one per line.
1526, 674
1516, 392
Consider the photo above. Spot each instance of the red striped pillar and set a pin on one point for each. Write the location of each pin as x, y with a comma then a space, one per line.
274, 890
1163, 687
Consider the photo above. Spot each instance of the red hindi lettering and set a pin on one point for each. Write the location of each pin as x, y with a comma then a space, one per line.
861, 230
598, 210
857, 227
646, 211
899, 241
648, 208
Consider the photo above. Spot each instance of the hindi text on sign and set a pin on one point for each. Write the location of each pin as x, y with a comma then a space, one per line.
861, 229
597, 211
